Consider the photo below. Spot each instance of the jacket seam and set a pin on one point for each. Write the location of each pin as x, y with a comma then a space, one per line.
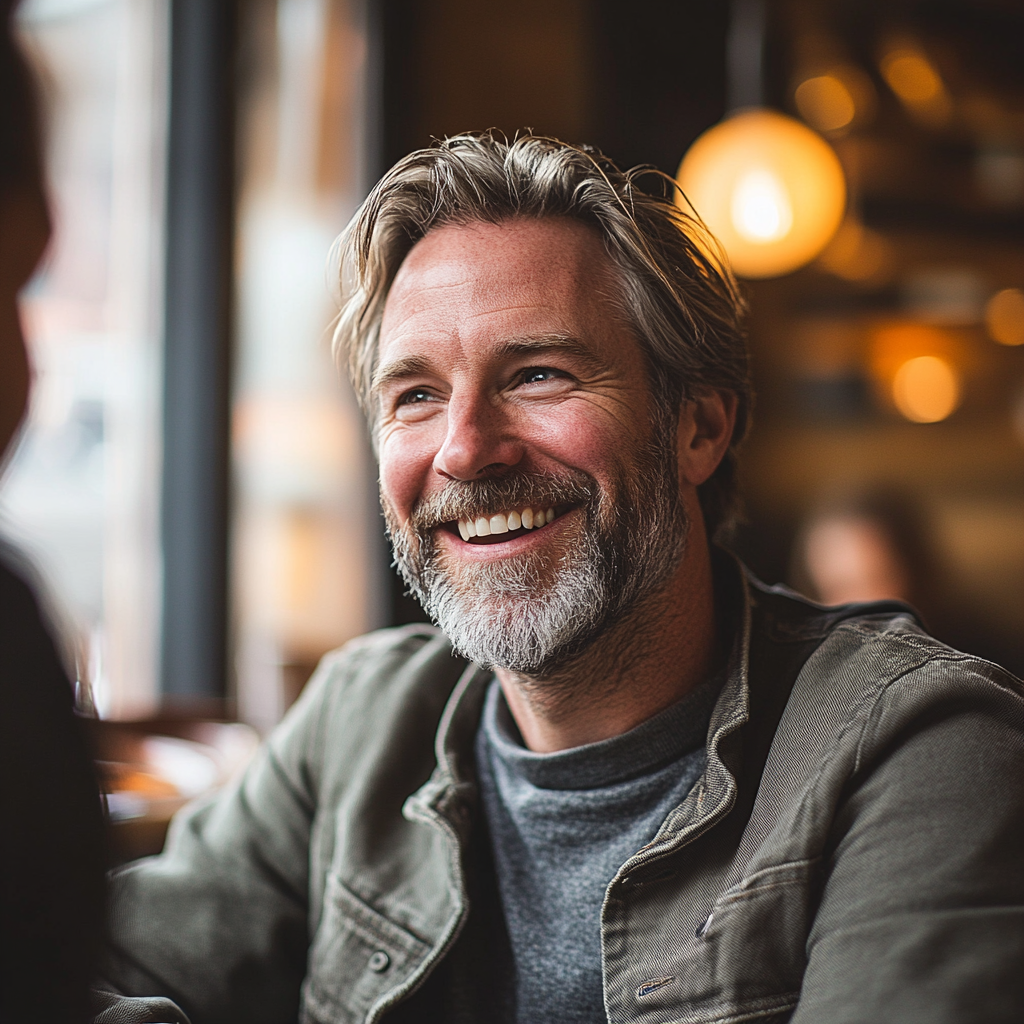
440, 950
763, 1007
870, 730
804, 864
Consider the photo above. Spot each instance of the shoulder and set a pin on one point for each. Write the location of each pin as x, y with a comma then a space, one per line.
32, 679
384, 664
20, 621
872, 670
377, 691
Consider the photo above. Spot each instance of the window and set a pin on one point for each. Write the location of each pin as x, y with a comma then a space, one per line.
81, 493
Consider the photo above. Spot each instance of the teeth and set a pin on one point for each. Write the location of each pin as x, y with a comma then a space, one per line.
484, 526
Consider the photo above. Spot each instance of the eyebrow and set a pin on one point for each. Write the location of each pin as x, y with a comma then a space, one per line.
415, 366
552, 343
399, 370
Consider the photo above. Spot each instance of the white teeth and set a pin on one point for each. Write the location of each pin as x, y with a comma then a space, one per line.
503, 522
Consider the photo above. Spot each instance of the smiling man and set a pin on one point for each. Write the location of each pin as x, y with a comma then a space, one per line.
537, 497
622, 780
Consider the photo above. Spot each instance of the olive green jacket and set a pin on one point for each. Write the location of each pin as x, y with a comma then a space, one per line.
854, 851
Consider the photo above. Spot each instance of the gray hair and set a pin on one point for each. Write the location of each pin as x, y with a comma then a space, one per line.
677, 293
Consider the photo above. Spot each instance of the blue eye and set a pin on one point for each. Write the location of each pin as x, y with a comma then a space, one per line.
415, 396
538, 374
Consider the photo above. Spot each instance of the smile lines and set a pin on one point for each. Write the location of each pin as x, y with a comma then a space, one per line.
503, 522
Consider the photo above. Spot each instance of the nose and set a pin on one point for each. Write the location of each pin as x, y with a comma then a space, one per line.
479, 440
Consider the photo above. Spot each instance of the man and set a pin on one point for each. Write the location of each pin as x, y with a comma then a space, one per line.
645, 787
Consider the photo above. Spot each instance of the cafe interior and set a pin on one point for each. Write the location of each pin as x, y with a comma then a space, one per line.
194, 482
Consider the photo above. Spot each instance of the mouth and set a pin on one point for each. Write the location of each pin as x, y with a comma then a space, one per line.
504, 526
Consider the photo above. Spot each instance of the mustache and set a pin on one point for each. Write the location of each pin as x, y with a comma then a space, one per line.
465, 499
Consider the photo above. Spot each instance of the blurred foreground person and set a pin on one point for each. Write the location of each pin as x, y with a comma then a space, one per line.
623, 780
51, 838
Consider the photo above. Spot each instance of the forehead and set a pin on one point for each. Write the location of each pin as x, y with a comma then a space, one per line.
522, 275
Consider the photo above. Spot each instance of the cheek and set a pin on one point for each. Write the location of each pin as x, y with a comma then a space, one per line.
405, 465
587, 439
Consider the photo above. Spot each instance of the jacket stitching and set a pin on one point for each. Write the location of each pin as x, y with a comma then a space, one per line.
751, 1010
799, 869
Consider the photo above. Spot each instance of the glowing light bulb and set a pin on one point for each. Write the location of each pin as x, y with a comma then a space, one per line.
769, 189
761, 211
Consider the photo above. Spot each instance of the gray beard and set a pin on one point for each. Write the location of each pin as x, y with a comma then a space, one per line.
532, 615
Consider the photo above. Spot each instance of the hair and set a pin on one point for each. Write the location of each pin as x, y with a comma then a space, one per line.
20, 142
676, 291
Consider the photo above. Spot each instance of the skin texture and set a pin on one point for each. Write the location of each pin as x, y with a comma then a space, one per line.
24, 232
501, 350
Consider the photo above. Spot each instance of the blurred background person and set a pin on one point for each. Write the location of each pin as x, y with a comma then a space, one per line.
867, 547
876, 545
51, 853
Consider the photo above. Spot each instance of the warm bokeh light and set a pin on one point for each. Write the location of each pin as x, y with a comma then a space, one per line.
770, 189
825, 102
857, 253
926, 389
916, 82
893, 343
911, 76
1004, 316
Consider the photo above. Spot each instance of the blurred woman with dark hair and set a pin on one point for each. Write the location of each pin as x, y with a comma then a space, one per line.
51, 826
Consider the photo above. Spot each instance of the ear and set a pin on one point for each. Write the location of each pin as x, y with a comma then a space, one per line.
705, 429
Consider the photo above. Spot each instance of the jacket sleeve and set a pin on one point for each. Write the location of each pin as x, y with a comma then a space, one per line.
921, 915
218, 921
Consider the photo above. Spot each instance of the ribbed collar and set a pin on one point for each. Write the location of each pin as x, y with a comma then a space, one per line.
678, 730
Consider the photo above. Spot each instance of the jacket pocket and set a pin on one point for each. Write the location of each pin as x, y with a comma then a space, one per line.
357, 958
756, 937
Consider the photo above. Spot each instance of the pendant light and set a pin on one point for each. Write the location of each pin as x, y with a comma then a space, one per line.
769, 188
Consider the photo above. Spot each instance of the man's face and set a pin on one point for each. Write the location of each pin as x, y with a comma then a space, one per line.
509, 390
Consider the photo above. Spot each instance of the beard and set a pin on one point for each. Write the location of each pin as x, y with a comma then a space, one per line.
534, 613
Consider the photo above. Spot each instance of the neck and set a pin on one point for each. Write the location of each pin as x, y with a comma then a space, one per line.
652, 658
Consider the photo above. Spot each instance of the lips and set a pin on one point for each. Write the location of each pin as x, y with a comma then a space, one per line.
480, 529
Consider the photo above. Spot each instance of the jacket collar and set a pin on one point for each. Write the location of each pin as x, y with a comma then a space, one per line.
452, 787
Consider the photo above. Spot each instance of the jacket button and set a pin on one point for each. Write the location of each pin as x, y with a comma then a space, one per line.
379, 961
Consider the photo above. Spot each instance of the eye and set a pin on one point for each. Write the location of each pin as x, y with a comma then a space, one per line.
416, 404
540, 374
414, 397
